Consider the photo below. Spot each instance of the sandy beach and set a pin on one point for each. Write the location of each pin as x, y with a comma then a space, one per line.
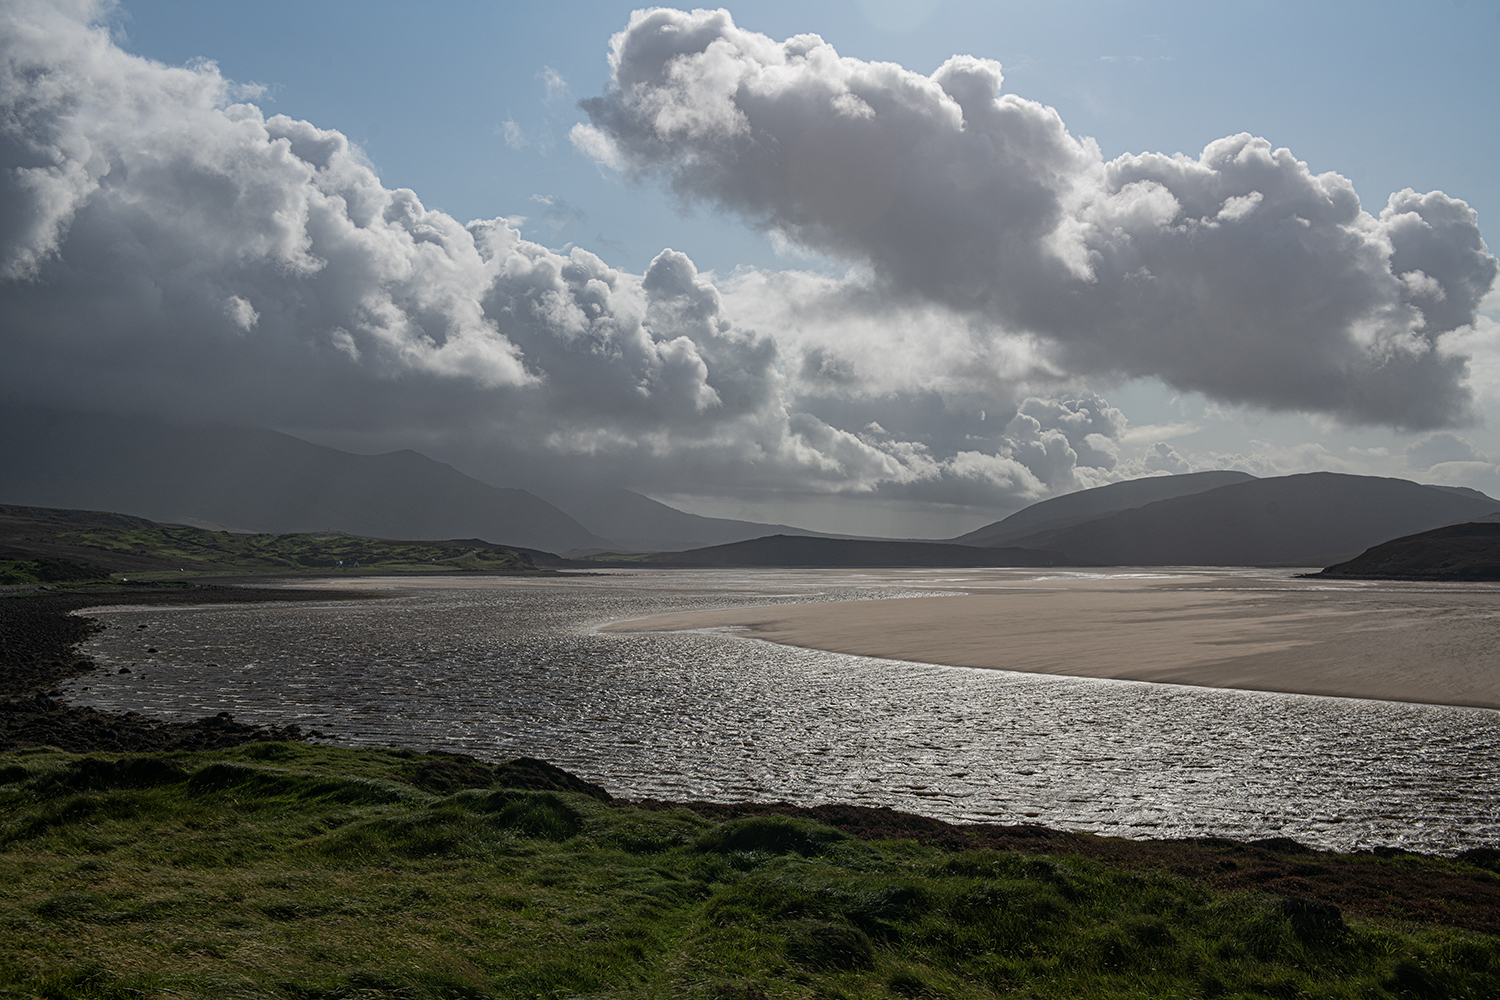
1432, 644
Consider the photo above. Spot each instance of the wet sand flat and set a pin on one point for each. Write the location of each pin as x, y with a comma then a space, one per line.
1431, 645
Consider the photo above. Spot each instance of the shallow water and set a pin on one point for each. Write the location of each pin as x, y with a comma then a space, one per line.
500, 667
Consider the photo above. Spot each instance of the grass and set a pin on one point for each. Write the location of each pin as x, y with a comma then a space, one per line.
33, 571
199, 550
301, 872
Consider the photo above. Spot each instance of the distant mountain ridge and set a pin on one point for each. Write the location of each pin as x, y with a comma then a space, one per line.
1072, 508
639, 523
1314, 519
262, 481
800, 551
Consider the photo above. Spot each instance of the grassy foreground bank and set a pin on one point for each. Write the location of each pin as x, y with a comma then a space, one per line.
301, 871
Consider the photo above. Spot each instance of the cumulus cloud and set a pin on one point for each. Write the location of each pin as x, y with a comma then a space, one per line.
1237, 273
167, 246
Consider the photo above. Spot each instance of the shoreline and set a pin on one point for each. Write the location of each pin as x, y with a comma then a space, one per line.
1412, 647
39, 637
32, 714
1370, 881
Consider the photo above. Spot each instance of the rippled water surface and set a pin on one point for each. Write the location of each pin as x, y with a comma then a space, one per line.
500, 667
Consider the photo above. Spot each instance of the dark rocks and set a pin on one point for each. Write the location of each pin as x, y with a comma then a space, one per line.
40, 721
37, 640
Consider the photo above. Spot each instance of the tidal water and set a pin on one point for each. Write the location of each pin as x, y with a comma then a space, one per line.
505, 667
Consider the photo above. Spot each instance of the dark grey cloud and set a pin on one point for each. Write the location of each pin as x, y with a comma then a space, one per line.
1237, 273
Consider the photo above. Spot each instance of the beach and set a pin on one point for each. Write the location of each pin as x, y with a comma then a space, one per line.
503, 667
1423, 643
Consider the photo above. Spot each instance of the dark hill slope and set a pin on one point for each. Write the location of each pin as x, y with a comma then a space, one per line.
1308, 520
262, 481
798, 551
1059, 512
1457, 552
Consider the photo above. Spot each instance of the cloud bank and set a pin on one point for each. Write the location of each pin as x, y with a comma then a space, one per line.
1239, 273
167, 246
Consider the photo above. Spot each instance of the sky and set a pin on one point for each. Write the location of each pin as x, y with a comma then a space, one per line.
887, 268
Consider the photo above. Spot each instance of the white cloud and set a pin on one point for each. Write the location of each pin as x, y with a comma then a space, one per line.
165, 245
1162, 457
556, 86
596, 145
1238, 273
241, 312
514, 137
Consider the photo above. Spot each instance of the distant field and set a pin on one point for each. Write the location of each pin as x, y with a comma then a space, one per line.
288, 870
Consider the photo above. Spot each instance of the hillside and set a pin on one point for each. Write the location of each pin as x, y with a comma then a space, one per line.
1072, 508
1457, 552
47, 545
262, 481
277, 869
838, 553
1314, 519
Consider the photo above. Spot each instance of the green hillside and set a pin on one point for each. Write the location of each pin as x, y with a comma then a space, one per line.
278, 870
39, 544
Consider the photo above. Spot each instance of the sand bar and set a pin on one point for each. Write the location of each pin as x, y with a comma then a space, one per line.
1431, 644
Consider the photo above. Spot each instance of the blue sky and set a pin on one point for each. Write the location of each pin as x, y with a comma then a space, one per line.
471, 105
1390, 95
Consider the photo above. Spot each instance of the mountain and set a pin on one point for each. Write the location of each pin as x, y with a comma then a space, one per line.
1307, 520
800, 551
262, 481
1469, 551
1084, 505
639, 524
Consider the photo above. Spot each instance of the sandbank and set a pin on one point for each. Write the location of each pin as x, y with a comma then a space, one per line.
1428, 644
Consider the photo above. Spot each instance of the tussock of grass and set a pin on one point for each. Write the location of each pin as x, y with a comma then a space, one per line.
295, 871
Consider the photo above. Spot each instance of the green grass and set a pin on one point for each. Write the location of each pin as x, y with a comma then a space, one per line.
32, 571
300, 872
200, 550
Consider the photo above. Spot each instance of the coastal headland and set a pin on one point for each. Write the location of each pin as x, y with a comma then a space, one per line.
1433, 644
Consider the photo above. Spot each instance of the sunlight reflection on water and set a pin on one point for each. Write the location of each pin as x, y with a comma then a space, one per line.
505, 667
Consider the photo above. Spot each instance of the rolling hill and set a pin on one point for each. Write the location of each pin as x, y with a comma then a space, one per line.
46, 544
1074, 508
1458, 552
1314, 519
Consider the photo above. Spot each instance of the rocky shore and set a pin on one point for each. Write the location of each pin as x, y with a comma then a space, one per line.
38, 640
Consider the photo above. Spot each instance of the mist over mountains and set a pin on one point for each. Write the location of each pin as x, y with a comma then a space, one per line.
243, 479
263, 481
636, 523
